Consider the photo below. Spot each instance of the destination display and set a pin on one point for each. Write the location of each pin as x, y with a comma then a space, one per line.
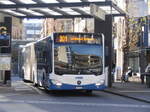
78, 38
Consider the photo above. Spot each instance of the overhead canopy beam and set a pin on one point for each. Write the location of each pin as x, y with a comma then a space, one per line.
79, 11
75, 9
43, 5
117, 8
84, 0
23, 12
116, 15
16, 1
59, 11
61, 1
64, 16
8, 13
42, 12
37, 1
57, 16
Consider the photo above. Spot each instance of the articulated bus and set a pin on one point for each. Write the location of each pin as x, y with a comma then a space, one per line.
66, 61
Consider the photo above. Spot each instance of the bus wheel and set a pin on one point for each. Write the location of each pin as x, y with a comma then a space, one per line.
34, 83
43, 80
26, 81
46, 90
89, 91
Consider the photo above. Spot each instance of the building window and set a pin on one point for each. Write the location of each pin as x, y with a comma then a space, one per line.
30, 31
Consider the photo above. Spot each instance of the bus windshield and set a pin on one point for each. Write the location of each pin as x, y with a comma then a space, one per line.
78, 59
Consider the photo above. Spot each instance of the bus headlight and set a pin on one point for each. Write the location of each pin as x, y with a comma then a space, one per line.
57, 83
99, 83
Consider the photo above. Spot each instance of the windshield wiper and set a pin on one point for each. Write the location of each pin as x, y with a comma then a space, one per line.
95, 73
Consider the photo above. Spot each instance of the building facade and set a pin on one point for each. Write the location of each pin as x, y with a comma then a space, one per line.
32, 29
138, 39
119, 36
67, 25
137, 55
56, 25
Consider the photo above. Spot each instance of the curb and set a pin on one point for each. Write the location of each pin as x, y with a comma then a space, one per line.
123, 95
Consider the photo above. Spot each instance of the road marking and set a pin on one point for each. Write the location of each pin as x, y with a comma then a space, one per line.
75, 103
9, 94
21, 87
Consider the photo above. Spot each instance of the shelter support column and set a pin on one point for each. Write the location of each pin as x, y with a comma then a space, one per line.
5, 48
105, 27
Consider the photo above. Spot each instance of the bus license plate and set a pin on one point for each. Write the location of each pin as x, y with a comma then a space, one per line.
78, 87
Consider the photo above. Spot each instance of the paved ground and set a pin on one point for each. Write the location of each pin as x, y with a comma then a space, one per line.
135, 90
23, 97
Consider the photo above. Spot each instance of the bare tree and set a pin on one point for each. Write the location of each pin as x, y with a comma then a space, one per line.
133, 36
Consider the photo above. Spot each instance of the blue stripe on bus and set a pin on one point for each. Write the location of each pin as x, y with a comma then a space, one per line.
75, 87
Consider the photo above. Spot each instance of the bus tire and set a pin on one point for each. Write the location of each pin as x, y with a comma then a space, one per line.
89, 91
26, 81
34, 83
43, 81
23, 75
46, 90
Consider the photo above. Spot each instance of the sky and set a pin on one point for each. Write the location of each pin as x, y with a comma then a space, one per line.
33, 20
149, 7
138, 8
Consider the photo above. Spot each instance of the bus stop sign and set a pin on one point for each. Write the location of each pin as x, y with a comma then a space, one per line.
4, 36
97, 12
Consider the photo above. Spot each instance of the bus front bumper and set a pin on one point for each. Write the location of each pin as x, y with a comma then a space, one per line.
76, 87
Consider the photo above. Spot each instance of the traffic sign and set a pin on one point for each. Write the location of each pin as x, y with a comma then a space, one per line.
97, 12
4, 36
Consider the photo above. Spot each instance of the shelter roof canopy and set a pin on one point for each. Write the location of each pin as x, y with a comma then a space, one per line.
56, 8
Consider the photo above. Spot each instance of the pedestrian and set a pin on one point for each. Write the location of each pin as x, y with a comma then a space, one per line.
128, 74
113, 72
147, 70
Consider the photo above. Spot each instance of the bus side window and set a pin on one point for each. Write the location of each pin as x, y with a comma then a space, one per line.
39, 55
50, 55
44, 54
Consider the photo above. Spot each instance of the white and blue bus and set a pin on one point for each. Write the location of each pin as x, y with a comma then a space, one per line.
66, 61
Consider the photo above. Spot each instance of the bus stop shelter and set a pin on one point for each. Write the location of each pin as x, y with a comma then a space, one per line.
58, 9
